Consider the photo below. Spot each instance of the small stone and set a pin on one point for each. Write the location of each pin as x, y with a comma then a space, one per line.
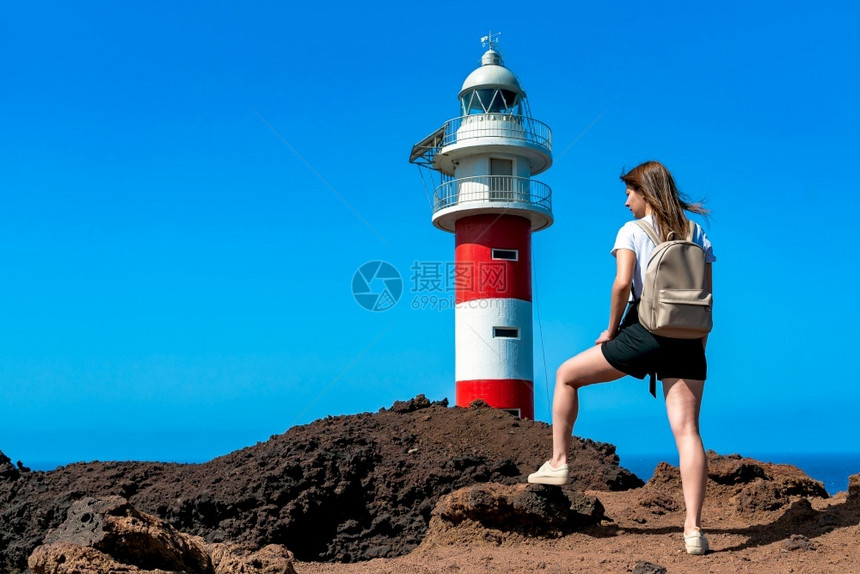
643, 567
798, 542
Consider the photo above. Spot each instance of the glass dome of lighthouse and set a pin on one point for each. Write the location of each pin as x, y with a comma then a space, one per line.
491, 88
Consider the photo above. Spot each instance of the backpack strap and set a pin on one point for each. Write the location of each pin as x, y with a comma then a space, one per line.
649, 229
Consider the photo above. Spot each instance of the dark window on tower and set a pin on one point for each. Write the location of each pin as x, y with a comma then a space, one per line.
506, 254
506, 332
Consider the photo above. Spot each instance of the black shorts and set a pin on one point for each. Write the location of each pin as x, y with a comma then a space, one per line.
635, 351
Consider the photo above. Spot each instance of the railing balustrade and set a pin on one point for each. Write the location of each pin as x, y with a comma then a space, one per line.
492, 188
510, 126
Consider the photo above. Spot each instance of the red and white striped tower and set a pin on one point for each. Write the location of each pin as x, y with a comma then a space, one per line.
486, 158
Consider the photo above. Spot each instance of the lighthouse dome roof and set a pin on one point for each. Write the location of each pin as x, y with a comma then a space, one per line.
492, 74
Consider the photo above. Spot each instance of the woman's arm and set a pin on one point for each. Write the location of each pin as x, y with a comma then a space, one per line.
625, 261
709, 281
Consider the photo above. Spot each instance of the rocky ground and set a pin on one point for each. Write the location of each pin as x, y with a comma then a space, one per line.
418, 487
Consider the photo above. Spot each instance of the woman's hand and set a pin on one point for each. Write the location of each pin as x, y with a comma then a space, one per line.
604, 337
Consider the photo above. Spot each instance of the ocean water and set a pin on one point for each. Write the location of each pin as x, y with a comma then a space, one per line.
831, 469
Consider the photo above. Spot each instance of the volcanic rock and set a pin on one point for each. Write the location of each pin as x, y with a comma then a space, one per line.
109, 535
342, 488
657, 502
114, 528
665, 477
732, 469
854, 489
800, 512
643, 567
238, 559
414, 404
759, 495
798, 542
750, 485
7, 469
66, 558
524, 508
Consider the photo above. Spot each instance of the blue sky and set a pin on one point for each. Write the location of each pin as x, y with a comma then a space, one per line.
188, 189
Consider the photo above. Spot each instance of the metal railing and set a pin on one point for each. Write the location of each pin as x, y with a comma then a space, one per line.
492, 188
511, 126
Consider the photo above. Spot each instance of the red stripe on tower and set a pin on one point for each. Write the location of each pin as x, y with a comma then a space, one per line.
493, 257
515, 395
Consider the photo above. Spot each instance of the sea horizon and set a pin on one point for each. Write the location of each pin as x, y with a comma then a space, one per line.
831, 469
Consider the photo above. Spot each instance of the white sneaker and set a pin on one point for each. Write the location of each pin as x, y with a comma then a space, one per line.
549, 475
696, 543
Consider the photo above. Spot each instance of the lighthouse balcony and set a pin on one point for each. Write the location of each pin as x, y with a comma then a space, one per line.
504, 194
510, 126
494, 132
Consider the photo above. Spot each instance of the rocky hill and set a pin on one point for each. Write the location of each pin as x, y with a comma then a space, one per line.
419, 487
342, 489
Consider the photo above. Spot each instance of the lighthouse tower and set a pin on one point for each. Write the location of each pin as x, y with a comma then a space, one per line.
488, 199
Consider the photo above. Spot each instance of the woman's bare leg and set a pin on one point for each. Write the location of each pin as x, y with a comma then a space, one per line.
587, 368
683, 403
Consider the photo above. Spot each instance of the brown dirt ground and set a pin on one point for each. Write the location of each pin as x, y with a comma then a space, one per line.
738, 544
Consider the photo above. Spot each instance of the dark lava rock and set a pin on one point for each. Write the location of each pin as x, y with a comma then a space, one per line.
733, 469
798, 542
236, 559
419, 402
343, 488
8, 471
658, 503
111, 525
854, 489
800, 512
643, 567
108, 535
584, 510
759, 495
752, 485
525, 508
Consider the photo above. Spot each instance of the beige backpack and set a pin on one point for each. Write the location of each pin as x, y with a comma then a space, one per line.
675, 300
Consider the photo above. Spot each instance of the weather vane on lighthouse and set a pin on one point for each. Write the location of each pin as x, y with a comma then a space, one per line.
486, 157
490, 40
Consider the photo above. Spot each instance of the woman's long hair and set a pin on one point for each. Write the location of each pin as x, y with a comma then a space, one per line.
656, 185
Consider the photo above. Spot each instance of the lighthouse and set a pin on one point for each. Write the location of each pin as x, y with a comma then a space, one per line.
486, 158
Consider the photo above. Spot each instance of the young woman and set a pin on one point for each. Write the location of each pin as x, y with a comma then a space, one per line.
627, 348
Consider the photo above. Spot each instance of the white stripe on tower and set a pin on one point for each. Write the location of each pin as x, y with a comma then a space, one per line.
483, 354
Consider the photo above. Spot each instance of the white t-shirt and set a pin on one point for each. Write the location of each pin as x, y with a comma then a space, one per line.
633, 237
